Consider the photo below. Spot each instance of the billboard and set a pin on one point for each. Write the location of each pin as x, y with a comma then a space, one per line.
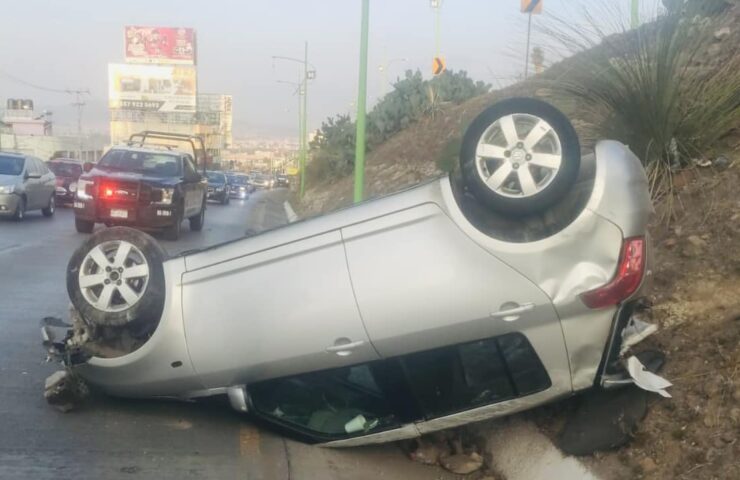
159, 45
160, 88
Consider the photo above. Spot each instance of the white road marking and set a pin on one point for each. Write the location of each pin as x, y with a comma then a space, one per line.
289, 212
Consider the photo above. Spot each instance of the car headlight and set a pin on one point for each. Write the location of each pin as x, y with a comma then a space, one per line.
241, 189
72, 187
163, 196
84, 189
7, 188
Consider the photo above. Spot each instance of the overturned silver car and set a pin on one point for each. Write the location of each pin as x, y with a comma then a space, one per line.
493, 290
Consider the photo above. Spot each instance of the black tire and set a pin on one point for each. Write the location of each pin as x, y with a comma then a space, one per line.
84, 226
151, 303
20, 210
51, 207
173, 231
558, 185
197, 221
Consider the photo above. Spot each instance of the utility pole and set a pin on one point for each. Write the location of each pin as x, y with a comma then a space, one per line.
361, 107
304, 134
303, 127
80, 105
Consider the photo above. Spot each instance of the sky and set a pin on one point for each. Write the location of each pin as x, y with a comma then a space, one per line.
68, 45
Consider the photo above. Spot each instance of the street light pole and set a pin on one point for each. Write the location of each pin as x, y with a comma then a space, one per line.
361, 106
635, 13
304, 133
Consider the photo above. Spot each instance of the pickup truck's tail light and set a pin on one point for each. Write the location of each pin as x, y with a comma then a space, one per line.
627, 280
85, 189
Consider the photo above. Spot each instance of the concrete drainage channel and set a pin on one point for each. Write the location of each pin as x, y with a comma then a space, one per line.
517, 450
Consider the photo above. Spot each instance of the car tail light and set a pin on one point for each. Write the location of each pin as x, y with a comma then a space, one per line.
627, 280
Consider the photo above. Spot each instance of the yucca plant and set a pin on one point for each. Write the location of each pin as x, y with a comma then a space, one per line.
653, 87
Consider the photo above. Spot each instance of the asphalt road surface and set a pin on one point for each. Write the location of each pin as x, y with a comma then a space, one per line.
114, 438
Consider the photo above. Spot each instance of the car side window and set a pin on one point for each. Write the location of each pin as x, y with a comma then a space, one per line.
31, 166
190, 170
461, 377
331, 404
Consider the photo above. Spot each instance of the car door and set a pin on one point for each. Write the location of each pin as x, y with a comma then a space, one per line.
33, 184
422, 284
192, 187
48, 182
284, 306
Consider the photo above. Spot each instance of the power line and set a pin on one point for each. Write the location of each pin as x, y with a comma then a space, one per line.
33, 85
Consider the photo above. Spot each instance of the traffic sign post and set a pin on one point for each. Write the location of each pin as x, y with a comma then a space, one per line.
530, 7
438, 65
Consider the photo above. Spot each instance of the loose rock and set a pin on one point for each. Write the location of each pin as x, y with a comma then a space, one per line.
64, 390
648, 465
462, 463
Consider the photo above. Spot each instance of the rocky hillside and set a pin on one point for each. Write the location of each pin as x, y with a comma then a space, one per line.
430, 146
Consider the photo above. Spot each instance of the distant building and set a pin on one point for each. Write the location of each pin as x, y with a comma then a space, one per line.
23, 130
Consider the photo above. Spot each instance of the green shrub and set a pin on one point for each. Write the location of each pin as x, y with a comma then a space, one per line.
448, 159
412, 98
653, 89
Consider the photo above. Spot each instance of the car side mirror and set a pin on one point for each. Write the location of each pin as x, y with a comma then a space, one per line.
87, 166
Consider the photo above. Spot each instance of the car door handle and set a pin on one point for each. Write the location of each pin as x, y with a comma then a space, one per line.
343, 349
511, 314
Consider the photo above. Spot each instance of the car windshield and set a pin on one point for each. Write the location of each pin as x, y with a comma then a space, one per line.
11, 165
147, 163
64, 169
216, 177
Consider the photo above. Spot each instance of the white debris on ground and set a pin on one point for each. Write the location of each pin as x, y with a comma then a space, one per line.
646, 379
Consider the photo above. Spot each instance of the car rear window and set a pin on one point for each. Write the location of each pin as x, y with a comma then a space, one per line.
63, 169
152, 164
216, 177
11, 165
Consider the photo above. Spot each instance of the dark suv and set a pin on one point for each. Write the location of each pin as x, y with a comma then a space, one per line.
218, 187
145, 187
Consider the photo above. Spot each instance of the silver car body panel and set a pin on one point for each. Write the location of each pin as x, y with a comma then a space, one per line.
394, 275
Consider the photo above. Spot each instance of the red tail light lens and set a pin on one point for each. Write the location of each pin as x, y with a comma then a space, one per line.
627, 280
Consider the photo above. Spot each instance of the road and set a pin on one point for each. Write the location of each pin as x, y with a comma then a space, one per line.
113, 438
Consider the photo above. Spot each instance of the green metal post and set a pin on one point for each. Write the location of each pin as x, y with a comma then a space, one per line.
635, 13
304, 132
361, 106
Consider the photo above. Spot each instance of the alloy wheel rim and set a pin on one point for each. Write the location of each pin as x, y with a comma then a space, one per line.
113, 276
518, 155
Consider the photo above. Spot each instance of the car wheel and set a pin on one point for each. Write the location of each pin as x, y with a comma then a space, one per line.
50, 208
83, 226
116, 277
173, 231
520, 156
20, 210
197, 221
